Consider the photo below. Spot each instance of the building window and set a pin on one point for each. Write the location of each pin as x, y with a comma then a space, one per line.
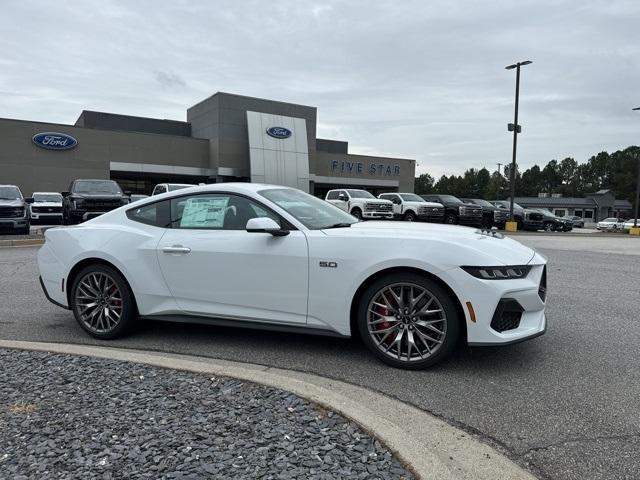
559, 213
578, 213
588, 214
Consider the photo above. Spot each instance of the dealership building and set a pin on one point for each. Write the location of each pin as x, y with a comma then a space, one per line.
226, 138
593, 207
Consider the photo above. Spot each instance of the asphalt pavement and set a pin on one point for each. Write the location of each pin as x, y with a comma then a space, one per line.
564, 405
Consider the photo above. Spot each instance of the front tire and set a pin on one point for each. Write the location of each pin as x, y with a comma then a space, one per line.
356, 212
102, 302
409, 217
408, 321
451, 219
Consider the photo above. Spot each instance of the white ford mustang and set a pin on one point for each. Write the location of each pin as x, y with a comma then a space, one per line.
273, 257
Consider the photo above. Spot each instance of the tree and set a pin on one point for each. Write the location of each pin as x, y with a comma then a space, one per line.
424, 184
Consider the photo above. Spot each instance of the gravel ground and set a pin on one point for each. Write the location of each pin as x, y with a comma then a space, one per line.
64, 416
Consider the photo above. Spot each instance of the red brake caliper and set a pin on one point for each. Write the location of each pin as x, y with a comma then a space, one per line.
384, 325
116, 302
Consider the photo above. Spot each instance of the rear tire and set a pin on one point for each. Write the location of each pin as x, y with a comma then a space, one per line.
102, 302
425, 317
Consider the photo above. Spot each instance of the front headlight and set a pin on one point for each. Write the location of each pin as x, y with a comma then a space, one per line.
499, 273
78, 203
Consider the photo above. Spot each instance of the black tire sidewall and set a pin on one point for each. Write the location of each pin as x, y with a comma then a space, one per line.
129, 311
452, 217
409, 217
356, 212
444, 297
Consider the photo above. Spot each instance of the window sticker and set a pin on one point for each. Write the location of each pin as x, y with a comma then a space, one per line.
204, 212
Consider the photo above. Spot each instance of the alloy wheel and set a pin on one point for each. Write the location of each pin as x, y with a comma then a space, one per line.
406, 322
98, 302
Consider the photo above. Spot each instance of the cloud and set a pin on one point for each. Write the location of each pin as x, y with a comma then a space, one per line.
169, 80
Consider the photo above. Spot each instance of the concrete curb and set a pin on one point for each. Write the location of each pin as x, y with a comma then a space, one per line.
21, 242
430, 447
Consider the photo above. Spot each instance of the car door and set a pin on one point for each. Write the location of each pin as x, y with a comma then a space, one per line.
342, 200
214, 267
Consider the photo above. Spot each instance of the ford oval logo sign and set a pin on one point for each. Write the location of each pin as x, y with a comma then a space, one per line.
54, 141
279, 132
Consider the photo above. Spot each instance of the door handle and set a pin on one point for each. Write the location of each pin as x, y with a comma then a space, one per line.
176, 249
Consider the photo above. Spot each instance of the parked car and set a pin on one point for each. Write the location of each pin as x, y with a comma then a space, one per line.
277, 258
411, 207
360, 203
491, 215
169, 187
134, 197
526, 219
550, 223
629, 223
46, 207
14, 214
610, 223
87, 199
456, 211
578, 222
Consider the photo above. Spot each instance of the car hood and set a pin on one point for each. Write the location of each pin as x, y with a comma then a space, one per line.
424, 204
12, 203
375, 200
502, 250
97, 196
46, 204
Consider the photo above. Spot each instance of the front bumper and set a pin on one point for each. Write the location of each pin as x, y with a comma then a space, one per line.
467, 220
14, 223
486, 295
387, 215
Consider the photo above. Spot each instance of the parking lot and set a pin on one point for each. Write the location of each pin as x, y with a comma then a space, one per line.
563, 405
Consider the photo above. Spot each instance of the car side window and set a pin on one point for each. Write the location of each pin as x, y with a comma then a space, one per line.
332, 195
159, 189
216, 212
156, 214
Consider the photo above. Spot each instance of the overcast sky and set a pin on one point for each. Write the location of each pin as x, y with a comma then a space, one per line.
422, 79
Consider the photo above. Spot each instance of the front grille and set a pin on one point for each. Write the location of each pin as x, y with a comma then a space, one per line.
11, 212
500, 215
46, 209
436, 211
542, 289
378, 207
507, 315
471, 212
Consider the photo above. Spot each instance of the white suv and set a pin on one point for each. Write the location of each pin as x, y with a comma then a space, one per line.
360, 203
46, 207
411, 207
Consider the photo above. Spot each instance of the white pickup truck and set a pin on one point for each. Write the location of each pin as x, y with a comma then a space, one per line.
360, 203
411, 207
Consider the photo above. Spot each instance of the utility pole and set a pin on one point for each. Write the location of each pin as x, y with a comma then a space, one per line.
498, 186
635, 217
516, 129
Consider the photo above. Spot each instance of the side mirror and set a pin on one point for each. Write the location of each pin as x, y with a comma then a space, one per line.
127, 193
265, 225
342, 197
65, 194
28, 199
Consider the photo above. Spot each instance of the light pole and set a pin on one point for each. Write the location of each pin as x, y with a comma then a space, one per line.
635, 217
498, 180
516, 129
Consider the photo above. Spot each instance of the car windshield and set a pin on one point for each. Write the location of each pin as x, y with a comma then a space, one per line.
360, 194
10, 193
96, 186
484, 203
173, 188
411, 197
610, 220
312, 212
450, 199
47, 197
